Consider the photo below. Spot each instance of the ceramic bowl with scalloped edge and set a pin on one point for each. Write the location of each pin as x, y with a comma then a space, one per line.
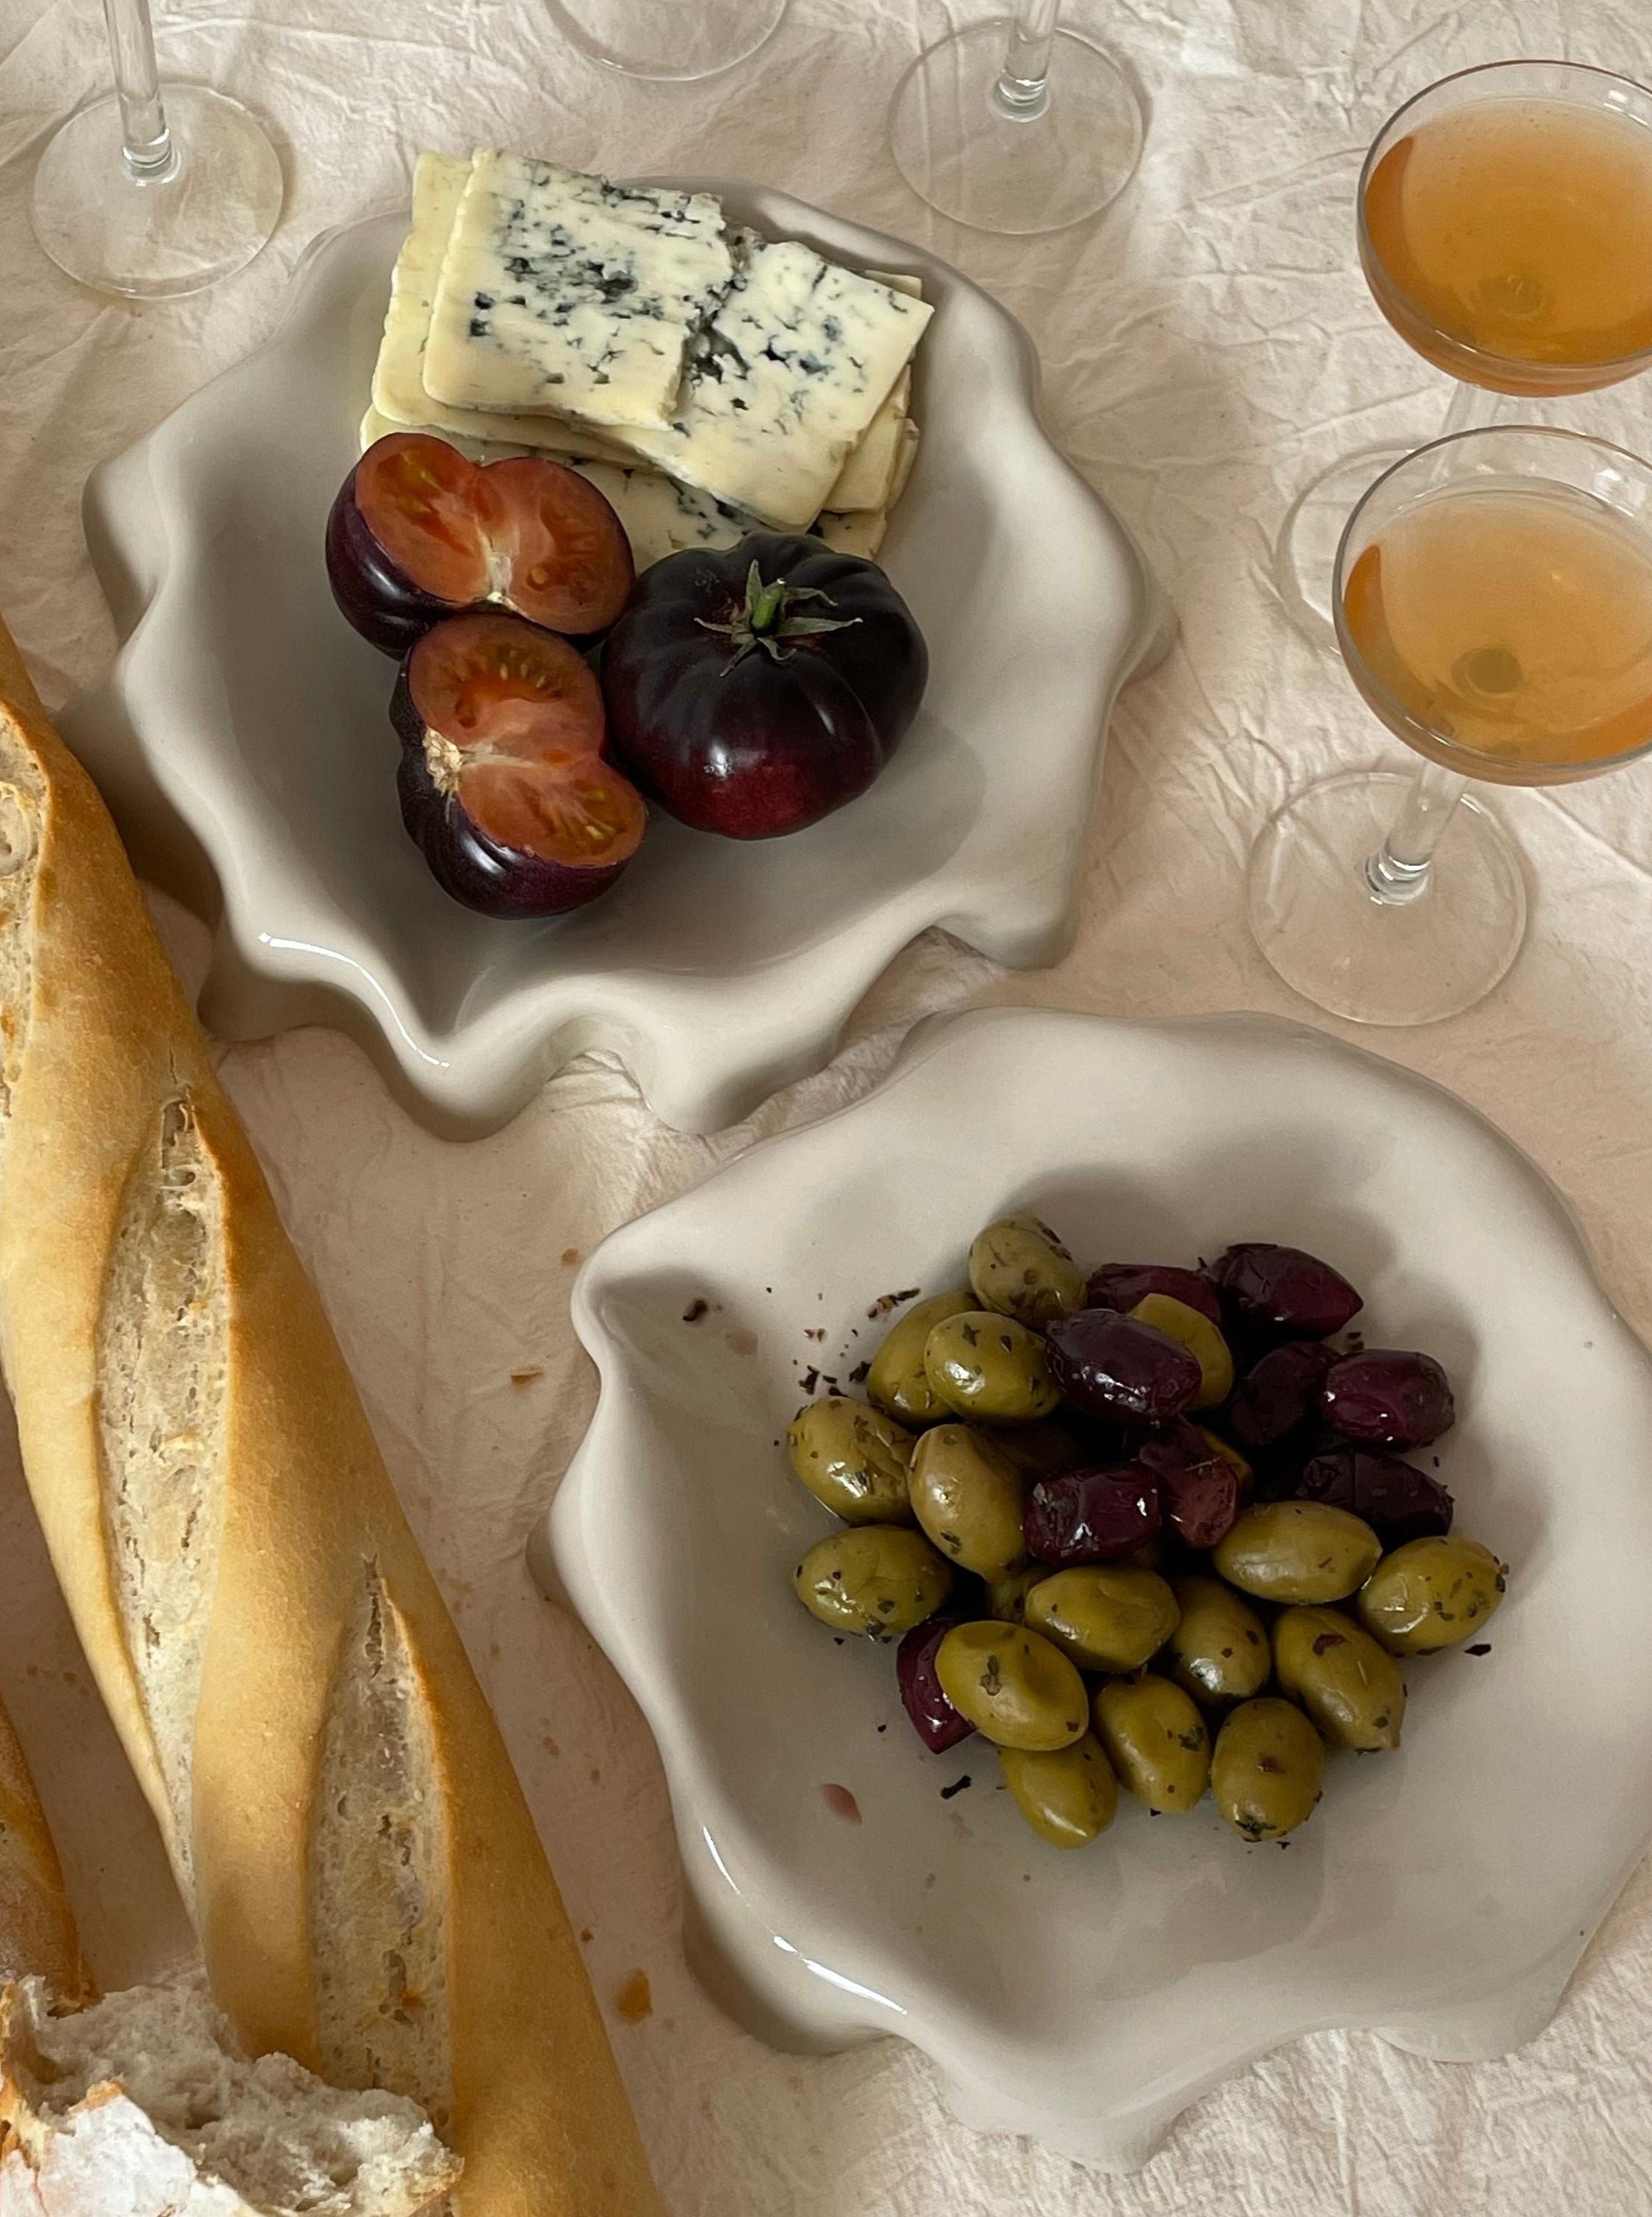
243, 745
1440, 1895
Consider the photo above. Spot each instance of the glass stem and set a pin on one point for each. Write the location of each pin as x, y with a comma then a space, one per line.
149, 152
1022, 92
1473, 406
1398, 873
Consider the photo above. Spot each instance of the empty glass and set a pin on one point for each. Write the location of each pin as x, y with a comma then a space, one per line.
670, 39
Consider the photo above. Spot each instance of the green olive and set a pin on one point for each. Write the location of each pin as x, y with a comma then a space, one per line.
1201, 1339
1431, 1593
1007, 1597
853, 1459
1230, 1455
1019, 1268
1268, 1770
1013, 1687
1107, 1617
1297, 1551
968, 1498
897, 1382
1219, 1651
1155, 1740
1349, 1686
990, 1367
1067, 1795
1042, 1450
876, 1578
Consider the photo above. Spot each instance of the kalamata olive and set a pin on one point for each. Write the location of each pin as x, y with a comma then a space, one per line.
1020, 1268
1199, 1487
1397, 1500
1091, 1515
987, 1366
967, 1496
1121, 1285
1107, 1617
1283, 1290
934, 1718
897, 1382
1349, 1684
1230, 1455
873, 1578
1155, 1741
853, 1459
1013, 1685
1279, 1393
1111, 1367
1202, 1339
1268, 1770
1297, 1551
1219, 1651
502, 782
1430, 1594
1390, 1396
1067, 1795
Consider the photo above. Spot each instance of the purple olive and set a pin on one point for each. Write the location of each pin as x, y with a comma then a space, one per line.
1280, 1289
1279, 1393
1121, 1285
1091, 1515
1110, 1366
1199, 1489
935, 1721
1388, 1395
1398, 1501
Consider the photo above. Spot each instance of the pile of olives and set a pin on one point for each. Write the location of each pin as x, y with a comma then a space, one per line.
1153, 1527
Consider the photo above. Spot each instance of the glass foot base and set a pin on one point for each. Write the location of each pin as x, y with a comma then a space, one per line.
673, 42
1305, 558
159, 237
1314, 917
1018, 175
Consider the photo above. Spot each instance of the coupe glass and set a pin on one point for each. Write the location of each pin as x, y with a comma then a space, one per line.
675, 41
1494, 607
1017, 125
1472, 283
154, 191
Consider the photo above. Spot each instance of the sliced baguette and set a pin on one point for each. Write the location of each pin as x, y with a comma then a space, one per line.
365, 1877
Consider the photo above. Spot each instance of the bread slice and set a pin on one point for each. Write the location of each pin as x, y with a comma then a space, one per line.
144, 2106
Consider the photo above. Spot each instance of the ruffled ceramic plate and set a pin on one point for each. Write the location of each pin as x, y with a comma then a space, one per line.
243, 744
1439, 1896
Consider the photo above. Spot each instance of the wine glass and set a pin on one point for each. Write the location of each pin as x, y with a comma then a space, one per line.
1494, 607
676, 40
1505, 229
1017, 125
152, 192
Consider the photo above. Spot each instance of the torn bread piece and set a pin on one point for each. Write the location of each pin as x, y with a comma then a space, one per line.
563, 292
144, 2106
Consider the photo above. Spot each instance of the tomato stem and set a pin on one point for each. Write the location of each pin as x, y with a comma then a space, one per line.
764, 618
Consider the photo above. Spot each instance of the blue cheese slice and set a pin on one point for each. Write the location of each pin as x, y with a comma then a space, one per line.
563, 293
798, 361
867, 477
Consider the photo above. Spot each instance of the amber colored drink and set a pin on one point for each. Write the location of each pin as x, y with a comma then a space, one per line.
1513, 622
1521, 230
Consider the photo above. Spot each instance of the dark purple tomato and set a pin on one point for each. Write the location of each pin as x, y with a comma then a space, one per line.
1091, 1515
1398, 1501
752, 691
419, 532
1388, 1395
502, 782
1199, 1489
1281, 1289
1121, 1285
935, 1721
1279, 1393
1113, 1366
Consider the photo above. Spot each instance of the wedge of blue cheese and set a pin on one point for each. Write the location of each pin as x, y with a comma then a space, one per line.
563, 294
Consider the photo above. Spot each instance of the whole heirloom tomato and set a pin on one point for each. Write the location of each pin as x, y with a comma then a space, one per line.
751, 692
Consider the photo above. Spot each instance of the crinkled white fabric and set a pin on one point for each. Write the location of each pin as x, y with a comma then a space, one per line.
1204, 349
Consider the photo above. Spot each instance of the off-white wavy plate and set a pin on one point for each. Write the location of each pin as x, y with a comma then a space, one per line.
1440, 1895
243, 745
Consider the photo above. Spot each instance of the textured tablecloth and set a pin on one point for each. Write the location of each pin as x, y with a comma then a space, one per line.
1204, 349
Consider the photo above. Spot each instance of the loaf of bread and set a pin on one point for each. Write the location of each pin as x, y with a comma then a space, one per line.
363, 1871
38, 1937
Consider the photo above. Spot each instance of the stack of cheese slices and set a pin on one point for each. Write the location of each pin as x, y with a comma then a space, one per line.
709, 382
